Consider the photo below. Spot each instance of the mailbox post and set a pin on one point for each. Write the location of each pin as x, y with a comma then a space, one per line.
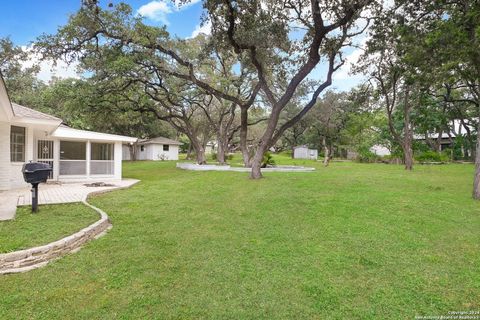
35, 173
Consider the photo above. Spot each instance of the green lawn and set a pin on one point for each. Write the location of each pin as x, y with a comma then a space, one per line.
351, 241
51, 223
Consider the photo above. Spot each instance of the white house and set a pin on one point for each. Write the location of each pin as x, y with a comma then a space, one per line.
75, 155
380, 150
303, 152
159, 148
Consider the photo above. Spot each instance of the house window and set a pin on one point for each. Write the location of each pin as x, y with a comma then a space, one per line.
142, 148
101, 156
73, 158
17, 144
166, 147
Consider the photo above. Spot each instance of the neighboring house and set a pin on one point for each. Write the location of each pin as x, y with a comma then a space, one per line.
444, 141
380, 150
303, 152
210, 147
447, 139
158, 148
75, 155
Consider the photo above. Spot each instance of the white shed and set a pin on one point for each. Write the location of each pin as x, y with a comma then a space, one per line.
303, 152
159, 148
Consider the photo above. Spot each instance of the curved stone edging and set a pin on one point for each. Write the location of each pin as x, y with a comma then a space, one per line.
213, 167
33, 258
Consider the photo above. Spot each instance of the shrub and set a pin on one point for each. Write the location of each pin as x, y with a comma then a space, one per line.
267, 160
228, 156
432, 156
366, 156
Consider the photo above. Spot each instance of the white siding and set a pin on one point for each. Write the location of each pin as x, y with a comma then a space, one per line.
159, 154
380, 150
300, 153
153, 151
16, 176
125, 152
4, 156
305, 153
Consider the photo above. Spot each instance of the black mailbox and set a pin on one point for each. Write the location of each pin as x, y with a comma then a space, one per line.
35, 173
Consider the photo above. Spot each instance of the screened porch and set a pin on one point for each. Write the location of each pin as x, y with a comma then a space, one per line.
85, 158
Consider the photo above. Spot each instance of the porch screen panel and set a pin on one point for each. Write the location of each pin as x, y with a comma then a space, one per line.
101, 158
73, 158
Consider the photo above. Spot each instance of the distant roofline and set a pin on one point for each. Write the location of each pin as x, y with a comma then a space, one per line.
152, 141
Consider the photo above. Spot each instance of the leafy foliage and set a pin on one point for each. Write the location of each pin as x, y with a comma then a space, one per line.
267, 160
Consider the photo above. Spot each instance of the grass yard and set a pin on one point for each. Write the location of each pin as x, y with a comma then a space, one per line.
351, 241
51, 223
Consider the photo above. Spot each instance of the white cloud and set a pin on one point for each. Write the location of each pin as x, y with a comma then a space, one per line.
158, 10
206, 29
351, 60
47, 68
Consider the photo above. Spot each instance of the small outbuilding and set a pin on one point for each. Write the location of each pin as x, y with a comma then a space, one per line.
159, 148
303, 152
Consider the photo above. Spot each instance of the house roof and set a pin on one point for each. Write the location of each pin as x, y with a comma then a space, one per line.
77, 134
456, 128
160, 140
25, 112
6, 111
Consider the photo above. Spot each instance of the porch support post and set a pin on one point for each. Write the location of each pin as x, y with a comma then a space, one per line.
117, 160
56, 159
29, 145
88, 153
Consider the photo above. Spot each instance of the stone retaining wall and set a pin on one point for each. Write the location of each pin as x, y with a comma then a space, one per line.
32, 258
28, 259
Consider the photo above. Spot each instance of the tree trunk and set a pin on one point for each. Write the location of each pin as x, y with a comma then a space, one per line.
199, 151
189, 152
408, 132
265, 142
293, 151
476, 181
256, 162
408, 155
221, 152
243, 137
326, 150
133, 151
200, 155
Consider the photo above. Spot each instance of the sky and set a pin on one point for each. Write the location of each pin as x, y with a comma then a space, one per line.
24, 20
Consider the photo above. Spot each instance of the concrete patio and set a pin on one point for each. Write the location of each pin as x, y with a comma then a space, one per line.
52, 193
